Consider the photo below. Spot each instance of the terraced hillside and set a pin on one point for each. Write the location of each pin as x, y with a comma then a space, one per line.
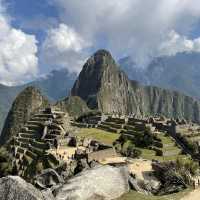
164, 147
30, 145
189, 136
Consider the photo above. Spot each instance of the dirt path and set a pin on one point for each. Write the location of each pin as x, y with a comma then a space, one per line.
140, 168
65, 153
194, 195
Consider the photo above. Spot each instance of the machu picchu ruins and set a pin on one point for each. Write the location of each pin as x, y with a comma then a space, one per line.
109, 137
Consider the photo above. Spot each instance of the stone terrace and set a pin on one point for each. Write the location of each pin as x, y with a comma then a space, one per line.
33, 142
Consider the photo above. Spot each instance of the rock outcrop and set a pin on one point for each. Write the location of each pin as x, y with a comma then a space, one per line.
27, 102
104, 182
15, 188
105, 87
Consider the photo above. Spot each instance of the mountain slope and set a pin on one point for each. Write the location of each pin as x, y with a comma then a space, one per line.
180, 72
26, 103
55, 86
104, 86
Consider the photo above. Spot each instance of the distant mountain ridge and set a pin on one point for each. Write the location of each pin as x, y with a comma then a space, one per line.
180, 72
104, 86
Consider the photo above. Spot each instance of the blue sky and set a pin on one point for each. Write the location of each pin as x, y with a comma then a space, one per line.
24, 12
38, 36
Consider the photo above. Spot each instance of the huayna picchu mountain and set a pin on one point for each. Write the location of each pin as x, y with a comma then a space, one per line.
27, 102
105, 87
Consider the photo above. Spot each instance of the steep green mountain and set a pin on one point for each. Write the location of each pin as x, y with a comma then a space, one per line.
27, 102
74, 105
104, 86
180, 72
55, 86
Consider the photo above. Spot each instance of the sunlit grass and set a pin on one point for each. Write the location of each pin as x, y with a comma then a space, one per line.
97, 134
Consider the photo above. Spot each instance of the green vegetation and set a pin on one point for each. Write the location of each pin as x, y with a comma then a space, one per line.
75, 106
133, 195
188, 165
5, 163
97, 134
144, 138
133, 152
177, 173
151, 154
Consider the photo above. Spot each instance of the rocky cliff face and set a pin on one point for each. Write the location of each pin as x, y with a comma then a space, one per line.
104, 86
27, 102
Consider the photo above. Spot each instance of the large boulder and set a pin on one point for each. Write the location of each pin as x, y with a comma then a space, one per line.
102, 182
15, 188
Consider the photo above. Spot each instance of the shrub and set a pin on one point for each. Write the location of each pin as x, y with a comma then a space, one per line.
5, 163
132, 152
144, 139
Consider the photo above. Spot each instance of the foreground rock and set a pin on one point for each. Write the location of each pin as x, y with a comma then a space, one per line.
103, 182
15, 188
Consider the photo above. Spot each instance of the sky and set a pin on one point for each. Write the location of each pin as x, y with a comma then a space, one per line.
37, 36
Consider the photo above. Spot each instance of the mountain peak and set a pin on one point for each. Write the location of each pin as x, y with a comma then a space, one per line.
98, 70
100, 60
27, 102
102, 52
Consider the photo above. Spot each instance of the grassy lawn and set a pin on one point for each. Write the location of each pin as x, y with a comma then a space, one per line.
151, 154
97, 134
171, 148
165, 139
133, 195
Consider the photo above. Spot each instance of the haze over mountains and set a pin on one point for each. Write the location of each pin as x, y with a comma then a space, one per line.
180, 72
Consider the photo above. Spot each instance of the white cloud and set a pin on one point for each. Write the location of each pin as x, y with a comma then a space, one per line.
18, 60
135, 27
63, 48
176, 43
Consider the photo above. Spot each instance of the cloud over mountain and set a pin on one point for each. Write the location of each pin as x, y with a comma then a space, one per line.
69, 31
176, 43
63, 48
134, 27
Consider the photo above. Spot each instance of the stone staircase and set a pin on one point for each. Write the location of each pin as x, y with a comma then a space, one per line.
30, 144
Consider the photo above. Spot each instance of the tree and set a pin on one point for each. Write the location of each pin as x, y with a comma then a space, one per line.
144, 139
